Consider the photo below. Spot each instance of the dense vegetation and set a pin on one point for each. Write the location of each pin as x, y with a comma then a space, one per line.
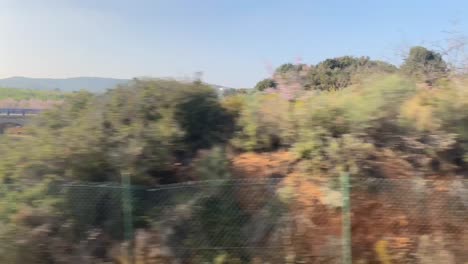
330, 74
27, 94
424, 65
27, 98
308, 124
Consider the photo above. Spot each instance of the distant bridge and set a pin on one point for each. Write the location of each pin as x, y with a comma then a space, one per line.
14, 117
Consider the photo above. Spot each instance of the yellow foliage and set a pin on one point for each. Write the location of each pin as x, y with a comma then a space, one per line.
382, 253
234, 103
419, 113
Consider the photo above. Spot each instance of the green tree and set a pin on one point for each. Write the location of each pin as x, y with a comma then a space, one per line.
337, 73
265, 84
287, 67
425, 65
330, 74
202, 118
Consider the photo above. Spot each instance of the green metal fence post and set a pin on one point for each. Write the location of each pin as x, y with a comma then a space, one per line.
346, 247
127, 213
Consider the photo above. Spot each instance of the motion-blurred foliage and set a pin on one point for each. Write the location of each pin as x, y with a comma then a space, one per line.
27, 94
160, 132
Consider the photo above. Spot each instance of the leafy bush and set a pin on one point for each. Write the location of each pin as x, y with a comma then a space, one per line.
265, 84
264, 123
214, 165
332, 74
424, 65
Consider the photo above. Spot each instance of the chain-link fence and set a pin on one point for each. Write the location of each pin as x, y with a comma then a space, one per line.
236, 221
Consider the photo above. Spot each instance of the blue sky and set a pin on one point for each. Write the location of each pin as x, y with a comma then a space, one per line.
231, 42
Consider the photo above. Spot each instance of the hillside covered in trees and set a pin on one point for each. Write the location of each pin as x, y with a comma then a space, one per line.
26, 98
302, 128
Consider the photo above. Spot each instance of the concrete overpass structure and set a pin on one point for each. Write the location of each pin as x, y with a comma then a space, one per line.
14, 117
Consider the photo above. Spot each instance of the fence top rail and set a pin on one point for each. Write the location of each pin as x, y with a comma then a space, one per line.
235, 182
188, 184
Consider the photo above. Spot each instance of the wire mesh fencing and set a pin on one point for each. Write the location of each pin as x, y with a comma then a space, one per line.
236, 221
411, 220
205, 222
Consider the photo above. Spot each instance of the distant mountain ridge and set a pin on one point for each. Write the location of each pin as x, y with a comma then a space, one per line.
92, 84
